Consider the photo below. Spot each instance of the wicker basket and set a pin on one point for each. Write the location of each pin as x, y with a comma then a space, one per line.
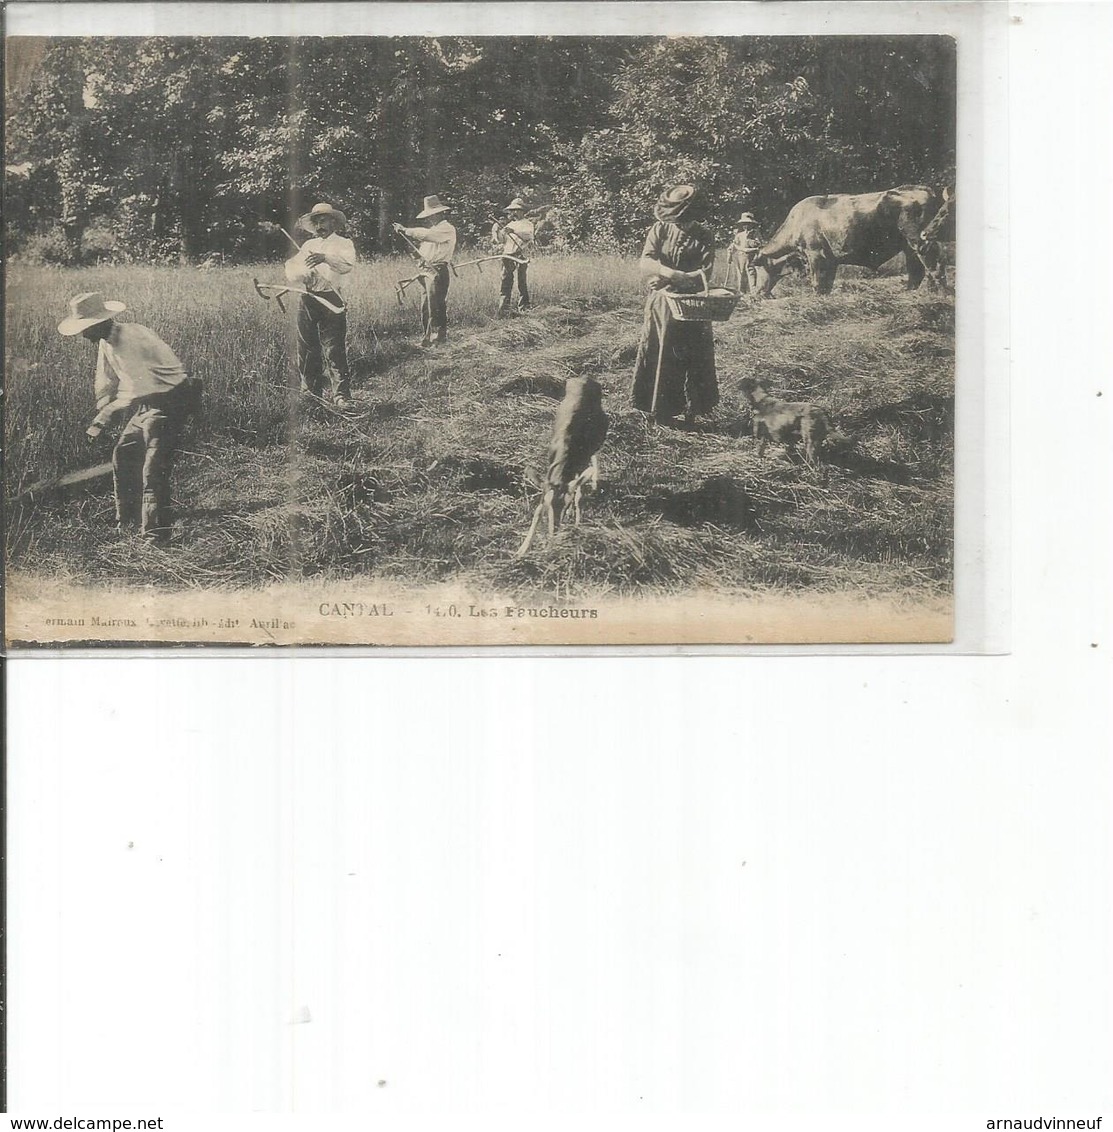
714, 305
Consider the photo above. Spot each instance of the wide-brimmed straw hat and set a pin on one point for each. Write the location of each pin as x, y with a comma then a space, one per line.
516, 205
674, 202
87, 310
327, 210
745, 218
432, 207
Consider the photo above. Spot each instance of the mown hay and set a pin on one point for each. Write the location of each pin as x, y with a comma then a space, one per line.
432, 475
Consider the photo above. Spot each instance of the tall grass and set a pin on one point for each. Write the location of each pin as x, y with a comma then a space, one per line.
429, 479
238, 344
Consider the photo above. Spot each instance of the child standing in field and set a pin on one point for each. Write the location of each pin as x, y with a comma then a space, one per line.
138, 373
743, 249
322, 332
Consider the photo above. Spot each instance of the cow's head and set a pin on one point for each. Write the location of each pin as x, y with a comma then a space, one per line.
941, 225
771, 267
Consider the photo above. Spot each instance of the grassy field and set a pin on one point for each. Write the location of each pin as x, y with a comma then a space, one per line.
427, 480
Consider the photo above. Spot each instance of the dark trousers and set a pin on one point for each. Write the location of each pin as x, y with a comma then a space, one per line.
322, 347
141, 465
434, 303
507, 287
747, 275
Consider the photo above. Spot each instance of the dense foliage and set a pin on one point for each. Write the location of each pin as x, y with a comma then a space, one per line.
163, 148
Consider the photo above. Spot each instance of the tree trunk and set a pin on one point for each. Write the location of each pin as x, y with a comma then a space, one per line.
191, 207
71, 165
387, 212
73, 196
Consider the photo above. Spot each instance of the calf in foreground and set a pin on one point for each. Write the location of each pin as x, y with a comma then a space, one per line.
579, 428
785, 422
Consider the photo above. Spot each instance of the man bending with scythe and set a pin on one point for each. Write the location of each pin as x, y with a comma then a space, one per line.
140, 377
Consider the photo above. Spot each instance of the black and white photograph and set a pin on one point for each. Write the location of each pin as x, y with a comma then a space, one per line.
450, 339
557, 567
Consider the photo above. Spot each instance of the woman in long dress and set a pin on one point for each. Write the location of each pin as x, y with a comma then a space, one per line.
677, 250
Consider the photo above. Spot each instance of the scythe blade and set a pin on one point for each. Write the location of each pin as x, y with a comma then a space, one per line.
80, 476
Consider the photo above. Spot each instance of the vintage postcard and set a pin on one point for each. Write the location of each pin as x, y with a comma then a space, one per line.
480, 339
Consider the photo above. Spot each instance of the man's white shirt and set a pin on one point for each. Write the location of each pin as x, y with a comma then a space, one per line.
515, 238
438, 242
340, 258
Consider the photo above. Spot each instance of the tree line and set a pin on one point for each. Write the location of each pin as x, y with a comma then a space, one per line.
181, 148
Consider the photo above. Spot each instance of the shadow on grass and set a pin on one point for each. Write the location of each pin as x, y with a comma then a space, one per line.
544, 384
924, 416
358, 488
862, 464
719, 500
477, 473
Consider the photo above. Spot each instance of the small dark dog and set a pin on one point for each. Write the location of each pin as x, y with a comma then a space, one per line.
785, 422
